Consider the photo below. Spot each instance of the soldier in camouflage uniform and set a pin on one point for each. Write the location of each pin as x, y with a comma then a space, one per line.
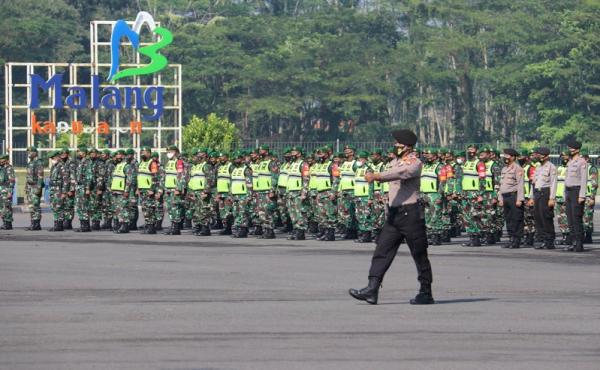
199, 189
560, 210
284, 215
70, 168
121, 190
99, 176
379, 201
590, 198
297, 194
84, 176
34, 186
134, 212
59, 185
149, 189
265, 193
188, 202
529, 164
432, 195
224, 204
7, 187
313, 224
499, 214
107, 209
345, 195
174, 185
473, 186
490, 196
160, 208
326, 194
241, 193
363, 199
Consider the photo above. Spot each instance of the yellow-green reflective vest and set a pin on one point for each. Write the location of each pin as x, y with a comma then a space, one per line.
386, 185
118, 177
254, 167
312, 181
561, 175
197, 177
347, 175
377, 186
144, 177
361, 186
223, 178
470, 180
323, 176
489, 177
238, 181
264, 176
283, 175
526, 182
171, 174
429, 180
294, 182
590, 183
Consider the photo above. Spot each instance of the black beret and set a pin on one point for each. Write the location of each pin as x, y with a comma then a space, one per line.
511, 152
543, 151
574, 144
406, 137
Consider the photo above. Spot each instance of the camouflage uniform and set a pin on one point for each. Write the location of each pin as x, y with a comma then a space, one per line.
265, 195
379, 200
199, 189
224, 203
174, 185
7, 185
69, 201
107, 207
99, 192
241, 188
133, 199
281, 195
345, 198
326, 210
528, 215
34, 188
473, 185
364, 199
590, 197
121, 190
490, 200
59, 185
149, 189
297, 196
432, 195
84, 176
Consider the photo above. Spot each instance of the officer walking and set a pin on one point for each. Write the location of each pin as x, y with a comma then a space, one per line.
34, 187
511, 198
405, 222
544, 196
575, 192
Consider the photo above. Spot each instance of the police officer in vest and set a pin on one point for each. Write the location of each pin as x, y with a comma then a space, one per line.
174, 186
223, 200
405, 222
148, 189
199, 189
511, 198
120, 188
544, 196
575, 192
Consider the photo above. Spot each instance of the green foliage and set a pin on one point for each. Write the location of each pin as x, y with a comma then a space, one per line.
210, 132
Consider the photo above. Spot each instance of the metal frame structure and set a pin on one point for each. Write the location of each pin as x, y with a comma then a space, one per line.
172, 106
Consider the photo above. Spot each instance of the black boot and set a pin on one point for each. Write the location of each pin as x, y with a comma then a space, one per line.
349, 234
490, 238
258, 231
446, 236
158, 225
149, 229
364, 238
96, 225
133, 225
588, 237
242, 232
187, 224
58, 226
107, 224
124, 229
226, 230
218, 225
424, 296
84, 226
204, 230
437, 239
370, 293
115, 225
469, 243
300, 235
313, 227
516, 243
549, 244
7, 225
196, 229
329, 235
68, 224
292, 235
578, 247
529, 239
566, 239
269, 234
35, 225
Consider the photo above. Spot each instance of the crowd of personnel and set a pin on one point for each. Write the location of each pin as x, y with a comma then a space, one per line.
324, 194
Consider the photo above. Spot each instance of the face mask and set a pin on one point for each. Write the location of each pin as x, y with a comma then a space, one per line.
459, 161
170, 155
400, 150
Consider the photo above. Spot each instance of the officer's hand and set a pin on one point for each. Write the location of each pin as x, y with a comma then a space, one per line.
551, 203
530, 202
150, 192
581, 200
501, 203
62, 196
370, 177
519, 203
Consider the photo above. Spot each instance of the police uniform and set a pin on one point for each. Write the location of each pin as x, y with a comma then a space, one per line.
544, 191
511, 196
575, 193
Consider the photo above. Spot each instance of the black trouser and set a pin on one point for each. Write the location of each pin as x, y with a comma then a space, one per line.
544, 215
574, 213
513, 215
403, 223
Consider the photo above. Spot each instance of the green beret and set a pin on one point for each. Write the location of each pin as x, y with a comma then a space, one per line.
54, 153
391, 150
146, 148
472, 145
129, 151
584, 152
442, 151
155, 155
83, 149
350, 146
459, 153
296, 148
264, 147
328, 146
194, 151
274, 154
93, 150
428, 151
3, 156
106, 151
64, 150
377, 151
32, 149
172, 147
213, 154
120, 151
564, 152
339, 155
363, 154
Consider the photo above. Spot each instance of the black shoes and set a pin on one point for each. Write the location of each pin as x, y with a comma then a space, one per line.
226, 230
269, 234
424, 296
242, 232
370, 293
68, 224
35, 226
364, 238
329, 235
474, 241
84, 227
58, 226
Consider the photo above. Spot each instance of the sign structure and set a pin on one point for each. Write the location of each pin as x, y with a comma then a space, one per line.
128, 96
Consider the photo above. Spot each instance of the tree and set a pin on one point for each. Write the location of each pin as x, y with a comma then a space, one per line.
210, 132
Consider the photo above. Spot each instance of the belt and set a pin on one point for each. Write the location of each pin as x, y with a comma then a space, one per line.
511, 193
403, 207
542, 190
572, 187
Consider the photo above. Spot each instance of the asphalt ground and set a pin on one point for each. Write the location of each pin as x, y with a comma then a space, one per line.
105, 301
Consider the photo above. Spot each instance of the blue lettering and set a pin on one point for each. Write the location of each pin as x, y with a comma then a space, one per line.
77, 99
157, 104
38, 82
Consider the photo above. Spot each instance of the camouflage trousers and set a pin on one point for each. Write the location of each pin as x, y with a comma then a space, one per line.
528, 219
56, 204
69, 207
490, 209
434, 212
149, 205
379, 210
96, 206
282, 209
560, 212
189, 205
160, 208
34, 199
174, 203
364, 214
133, 207
121, 206
108, 208
224, 207
82, 203
6, 204
472, 212
241, 210
203, 208
298, 209
265, 207
455, 216
499, 218
588, 215
311, 211
326, 210
346, 210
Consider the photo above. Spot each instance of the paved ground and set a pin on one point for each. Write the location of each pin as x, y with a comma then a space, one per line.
102, 301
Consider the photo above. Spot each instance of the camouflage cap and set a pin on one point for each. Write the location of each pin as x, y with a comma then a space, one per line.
106, 151
264, 147
120, 151
213, 154
584, 152
442, 150
83, 149
94, 150
146, 149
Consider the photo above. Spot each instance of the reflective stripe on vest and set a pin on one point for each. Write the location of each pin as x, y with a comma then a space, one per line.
377, 186
323, 176
197, 177
489, 177
238, 181
283, 175
429, 180
171, 174
312, 181
470, 180
144, 177
561, 175
294, 182
223, 178
347, 175
118, 177
254, 167
526, 182
361, 186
